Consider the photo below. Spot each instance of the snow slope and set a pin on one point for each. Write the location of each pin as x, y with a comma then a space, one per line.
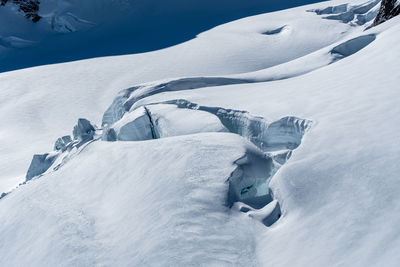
40, 97
72, 29
164, 202
87, 225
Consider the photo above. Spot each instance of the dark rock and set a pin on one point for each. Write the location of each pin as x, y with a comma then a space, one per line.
29, 7
388, 10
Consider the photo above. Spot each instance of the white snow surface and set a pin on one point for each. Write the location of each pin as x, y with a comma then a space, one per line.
163, 202
137, 212
172, 121
74, 29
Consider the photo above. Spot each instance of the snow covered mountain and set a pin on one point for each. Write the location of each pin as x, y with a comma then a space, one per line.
74, 29
266, 141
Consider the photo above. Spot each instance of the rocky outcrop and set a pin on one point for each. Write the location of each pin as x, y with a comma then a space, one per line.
29, 7
388, 10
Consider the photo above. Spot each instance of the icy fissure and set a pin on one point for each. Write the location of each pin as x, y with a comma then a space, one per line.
128, 97
248, 183
284, 134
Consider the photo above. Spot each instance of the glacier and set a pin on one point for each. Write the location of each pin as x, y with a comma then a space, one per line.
266, 141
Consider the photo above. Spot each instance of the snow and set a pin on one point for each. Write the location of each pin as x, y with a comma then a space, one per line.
134, 126
39, 97
172, 121
101, 226
73, 29
289, 80
338, 184
268, 214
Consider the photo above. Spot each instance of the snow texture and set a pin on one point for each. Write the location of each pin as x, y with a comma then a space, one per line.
227, 168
